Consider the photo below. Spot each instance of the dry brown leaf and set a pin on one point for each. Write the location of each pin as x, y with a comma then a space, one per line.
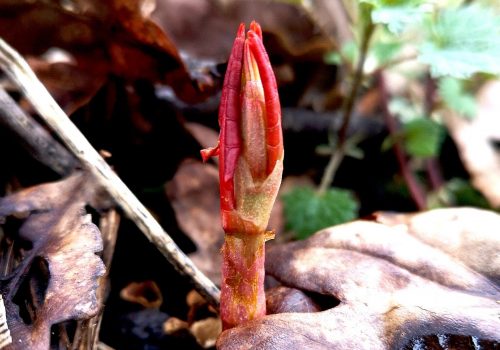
194, 194
145, 293
70, 85
289, 29
393, 284
206, 331
474, 139
283, 299
57, 279
102, 37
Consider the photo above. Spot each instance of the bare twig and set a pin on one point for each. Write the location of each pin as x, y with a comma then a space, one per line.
416, 191
35, 138
19, 71
347, 108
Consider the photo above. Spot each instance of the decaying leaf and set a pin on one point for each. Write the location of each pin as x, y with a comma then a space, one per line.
57, 279
5, 338
431, 273
194, 195
145, 293
103, 38
290, 28
475, 140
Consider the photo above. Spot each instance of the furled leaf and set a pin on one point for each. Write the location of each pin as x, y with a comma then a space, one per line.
57, 279
307, 211
454, 96
422, 137
462, 41
398, 279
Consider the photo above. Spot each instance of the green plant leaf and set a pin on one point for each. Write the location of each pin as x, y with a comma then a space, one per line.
457, 192
456, 98
307, 212
398, 18
397, 14
462, 41
348, 52
385, 51
422, 137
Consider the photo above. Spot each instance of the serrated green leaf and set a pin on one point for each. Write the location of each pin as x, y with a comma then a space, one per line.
388, 142
398, 18
332, 57
392, 3
466, 195
307, 212
348, 52
462, 41
454, 96
397, 14
457, 192
422, 137
385, 51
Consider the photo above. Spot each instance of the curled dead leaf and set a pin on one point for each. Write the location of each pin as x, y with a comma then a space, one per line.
206, 331
102, 37
284, 299
394, 284
57, 279
146, 293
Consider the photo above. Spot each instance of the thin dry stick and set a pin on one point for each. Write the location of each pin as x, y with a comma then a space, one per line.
20, 72
35, 138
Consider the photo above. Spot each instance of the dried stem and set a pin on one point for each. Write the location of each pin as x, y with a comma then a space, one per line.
35, 138
20, 72
416, 191
347, 108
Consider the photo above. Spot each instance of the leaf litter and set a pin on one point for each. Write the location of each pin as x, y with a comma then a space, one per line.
58, 277
396, 280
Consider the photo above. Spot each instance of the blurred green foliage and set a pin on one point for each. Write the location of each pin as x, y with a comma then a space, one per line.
452, 47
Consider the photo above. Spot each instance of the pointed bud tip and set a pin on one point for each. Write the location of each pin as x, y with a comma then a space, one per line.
255, 27
241, 30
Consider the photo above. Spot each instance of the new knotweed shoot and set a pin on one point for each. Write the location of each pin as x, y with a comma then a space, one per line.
250, 151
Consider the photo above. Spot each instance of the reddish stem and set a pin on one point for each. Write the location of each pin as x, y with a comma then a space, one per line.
416, 190
242, 289
432, 164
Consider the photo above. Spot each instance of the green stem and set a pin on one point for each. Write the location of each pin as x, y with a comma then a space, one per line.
347, 107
